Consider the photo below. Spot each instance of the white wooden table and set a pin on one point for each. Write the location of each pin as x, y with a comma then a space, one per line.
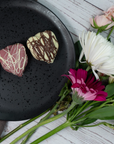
75, 14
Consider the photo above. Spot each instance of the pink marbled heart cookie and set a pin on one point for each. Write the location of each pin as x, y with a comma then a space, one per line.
14, 59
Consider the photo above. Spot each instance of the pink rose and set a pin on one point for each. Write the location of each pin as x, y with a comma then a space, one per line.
110, 13
101, 20
104, 19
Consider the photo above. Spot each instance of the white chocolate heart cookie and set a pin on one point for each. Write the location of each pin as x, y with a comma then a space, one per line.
43, 46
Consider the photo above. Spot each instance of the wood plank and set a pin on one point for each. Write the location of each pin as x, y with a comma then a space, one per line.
103, 4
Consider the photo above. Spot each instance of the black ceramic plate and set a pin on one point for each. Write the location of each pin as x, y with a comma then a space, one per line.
37, 90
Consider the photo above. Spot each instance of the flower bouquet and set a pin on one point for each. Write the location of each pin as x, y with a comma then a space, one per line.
88, 94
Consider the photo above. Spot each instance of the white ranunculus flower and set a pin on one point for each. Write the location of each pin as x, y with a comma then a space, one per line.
99, 53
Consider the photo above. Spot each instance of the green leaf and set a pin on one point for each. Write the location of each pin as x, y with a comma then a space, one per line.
83, 123
94, 23
101, 28
110, 89
88, 121
112, 18
94, 27
104, 27
105, 113
66, 89
78, 50
109, 118
63, 89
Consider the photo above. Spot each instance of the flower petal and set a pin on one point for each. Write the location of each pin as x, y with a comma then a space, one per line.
81, 74
98, 52
89, 96
87, 90
101, 96
73, 72
90, 80
76, 85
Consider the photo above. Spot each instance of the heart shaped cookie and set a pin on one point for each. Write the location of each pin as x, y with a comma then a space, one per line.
14, 59
43, 46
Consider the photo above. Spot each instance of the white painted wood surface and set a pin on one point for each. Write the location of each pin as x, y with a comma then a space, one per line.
75, 14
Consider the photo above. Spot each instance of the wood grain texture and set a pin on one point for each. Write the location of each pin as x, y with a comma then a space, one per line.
103, 4
75, 15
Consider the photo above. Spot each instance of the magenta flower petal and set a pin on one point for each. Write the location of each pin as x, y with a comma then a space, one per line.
72, 79
101, 87
96, 84
76, 85
101, 96
102, 93
81, 74
73, 72
89, 96
90, 80
89, 89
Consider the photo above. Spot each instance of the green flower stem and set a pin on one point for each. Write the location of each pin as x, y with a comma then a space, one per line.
47, 116
104, 123
43, 123
110, 33
21, 126
109, 125
59, 128
57, 104
27, 137
87, 106
92, 125
80, 110
88, 68
35, 127
97, 32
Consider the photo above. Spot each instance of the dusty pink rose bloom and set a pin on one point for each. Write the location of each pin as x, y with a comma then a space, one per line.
110, 13
104, 19
88, 89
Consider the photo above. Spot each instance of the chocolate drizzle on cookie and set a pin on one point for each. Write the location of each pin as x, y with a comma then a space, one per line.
43, 46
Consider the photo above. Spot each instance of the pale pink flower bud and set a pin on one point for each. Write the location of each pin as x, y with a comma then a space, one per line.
110, 13
101, 20
111, 79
